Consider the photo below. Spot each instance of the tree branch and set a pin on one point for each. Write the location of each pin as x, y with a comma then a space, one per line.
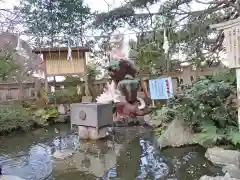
231, 3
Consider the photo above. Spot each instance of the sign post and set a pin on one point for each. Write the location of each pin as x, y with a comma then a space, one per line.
161, 89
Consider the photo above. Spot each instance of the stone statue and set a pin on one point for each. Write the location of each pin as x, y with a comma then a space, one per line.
123, 88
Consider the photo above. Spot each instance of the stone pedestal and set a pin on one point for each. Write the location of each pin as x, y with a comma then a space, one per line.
92, 133
92, 119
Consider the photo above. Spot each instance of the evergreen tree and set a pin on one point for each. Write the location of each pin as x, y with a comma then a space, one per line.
56, 21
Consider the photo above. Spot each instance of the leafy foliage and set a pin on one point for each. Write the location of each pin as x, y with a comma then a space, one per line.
6, 67
187, 30
14, 117
165, 114
158, 131
68, 95
208, 135
69, 17
92, 71
72, 79
234, 136
208, 108
71, 94
44, 115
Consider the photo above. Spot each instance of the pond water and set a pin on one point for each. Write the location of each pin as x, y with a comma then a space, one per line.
130, 154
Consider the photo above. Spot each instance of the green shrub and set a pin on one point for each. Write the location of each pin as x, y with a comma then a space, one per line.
205, 106
42, 116
164, 114
14, 117
68, 95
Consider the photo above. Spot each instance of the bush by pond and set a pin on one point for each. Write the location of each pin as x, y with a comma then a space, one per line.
43, 116
207, 106
68, 95
14, 117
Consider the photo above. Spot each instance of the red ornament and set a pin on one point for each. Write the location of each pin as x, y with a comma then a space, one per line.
167, 86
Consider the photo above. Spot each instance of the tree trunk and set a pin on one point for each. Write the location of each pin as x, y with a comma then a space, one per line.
144, 87
87, 91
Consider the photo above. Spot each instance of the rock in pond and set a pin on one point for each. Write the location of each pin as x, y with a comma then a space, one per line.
221, 156
229, 159
233, 171
177, 134
226, 177
63, 155
10, 177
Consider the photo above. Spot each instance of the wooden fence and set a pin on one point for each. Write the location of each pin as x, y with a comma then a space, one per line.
11, 92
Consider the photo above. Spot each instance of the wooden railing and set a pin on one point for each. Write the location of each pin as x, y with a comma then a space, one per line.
11, 92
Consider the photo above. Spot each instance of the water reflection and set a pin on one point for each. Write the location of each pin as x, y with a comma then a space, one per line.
151, 164
122, 158
35, 165
140, 160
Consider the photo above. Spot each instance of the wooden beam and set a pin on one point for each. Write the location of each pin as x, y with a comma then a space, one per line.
226, 25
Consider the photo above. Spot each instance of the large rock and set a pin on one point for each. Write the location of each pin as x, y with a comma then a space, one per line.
232, 170
229, 159
226, 177
177, 134
223, 157
10, 177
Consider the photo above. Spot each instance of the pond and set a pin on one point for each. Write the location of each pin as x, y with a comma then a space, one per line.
129, 154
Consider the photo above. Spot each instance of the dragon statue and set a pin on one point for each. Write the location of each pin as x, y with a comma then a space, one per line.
123, 87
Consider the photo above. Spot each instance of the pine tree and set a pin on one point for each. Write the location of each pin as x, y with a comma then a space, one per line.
60, 21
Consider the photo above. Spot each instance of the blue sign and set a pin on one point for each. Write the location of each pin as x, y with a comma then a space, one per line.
161, 88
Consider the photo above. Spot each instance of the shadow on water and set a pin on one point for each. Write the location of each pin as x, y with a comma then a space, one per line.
129, 155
